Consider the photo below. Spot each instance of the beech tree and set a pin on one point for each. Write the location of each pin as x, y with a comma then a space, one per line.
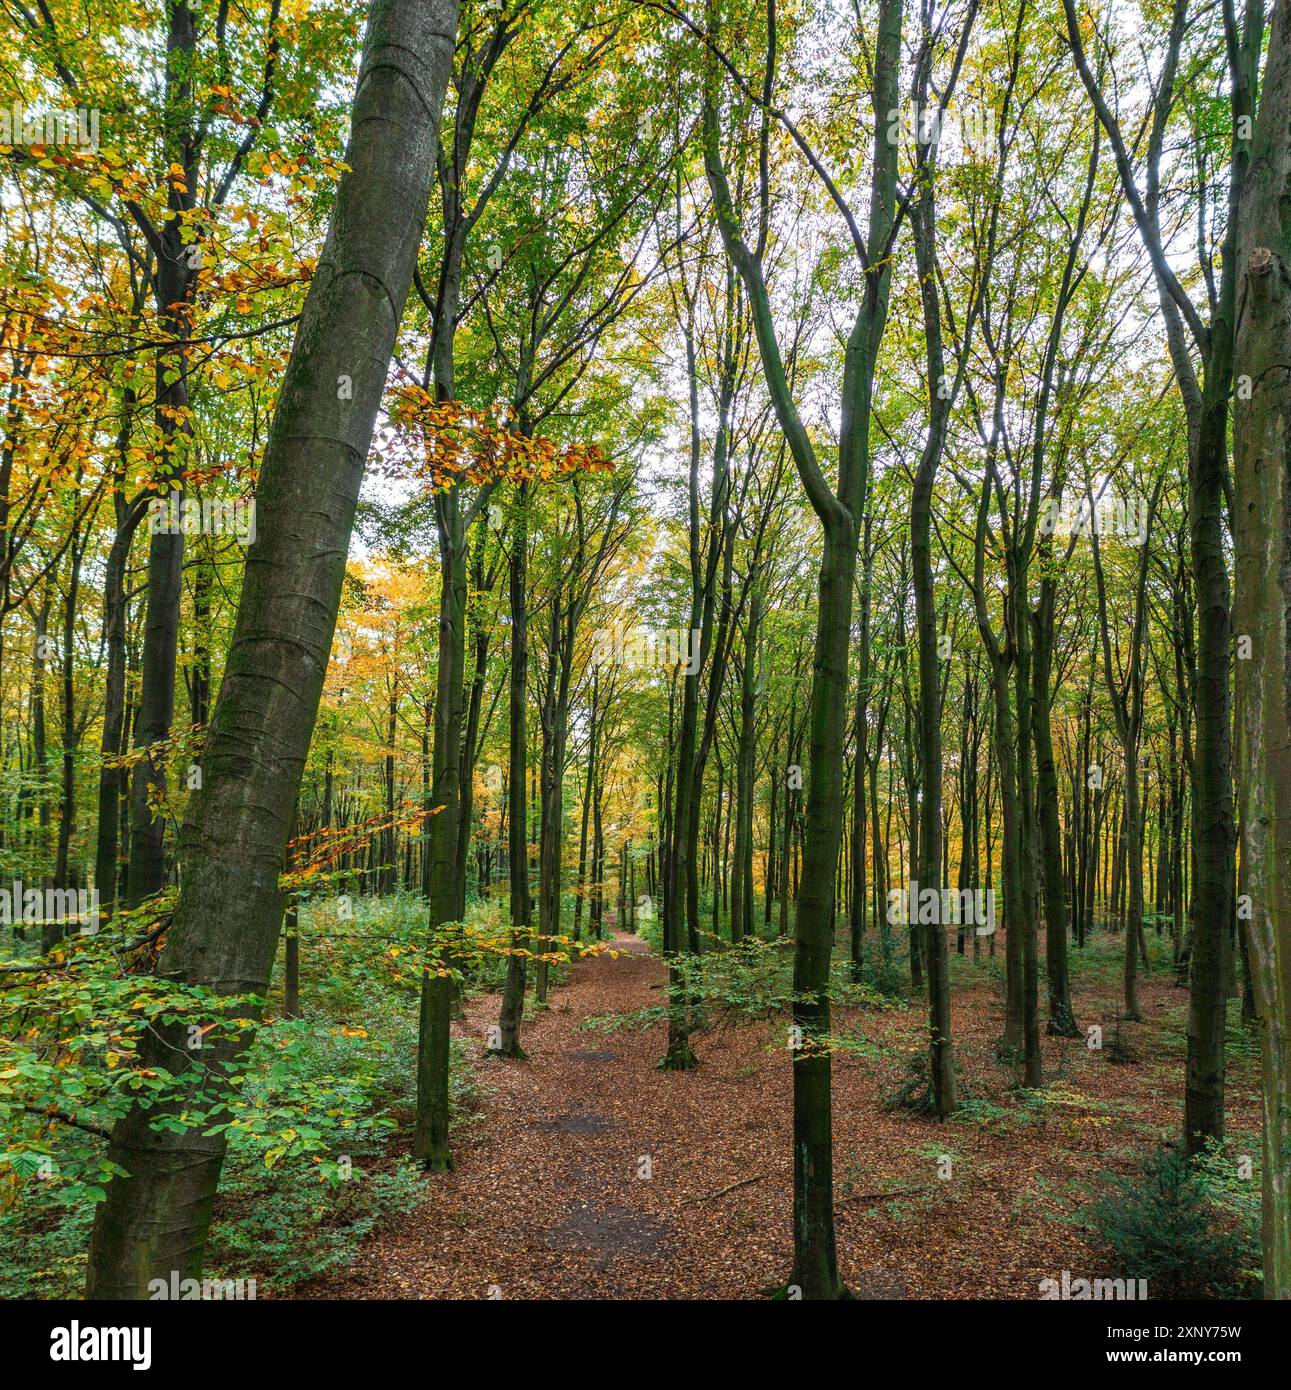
1262, 524
839, 511
1193, 339
156, 1215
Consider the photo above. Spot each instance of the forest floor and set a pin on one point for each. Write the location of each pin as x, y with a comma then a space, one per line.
589, 1173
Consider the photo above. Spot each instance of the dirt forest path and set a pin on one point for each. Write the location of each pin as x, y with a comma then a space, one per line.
550, 1199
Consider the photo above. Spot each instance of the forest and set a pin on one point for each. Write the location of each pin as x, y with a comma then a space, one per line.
645, 652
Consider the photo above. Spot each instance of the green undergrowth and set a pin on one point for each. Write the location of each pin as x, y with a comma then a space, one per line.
727, 985
1191, 1229
316, 1153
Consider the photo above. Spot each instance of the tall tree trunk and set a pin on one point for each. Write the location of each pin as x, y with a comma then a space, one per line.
389, 852
1062, 1019
517, 835
226, 922
480, 583
815, 1267
1262, 621
941, 1057
742, 870
860, 740
176, 276
112, 780
1206, 405
588, 783
67, 810
50, 936
430, 1139
550, 813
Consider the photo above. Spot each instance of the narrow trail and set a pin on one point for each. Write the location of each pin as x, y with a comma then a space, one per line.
574, 1178
585, 1172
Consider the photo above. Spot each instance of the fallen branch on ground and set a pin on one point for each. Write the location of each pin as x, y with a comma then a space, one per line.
721, 1191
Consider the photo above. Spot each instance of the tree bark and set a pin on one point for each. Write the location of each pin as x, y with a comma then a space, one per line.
517, 835
1262, 621
227, 919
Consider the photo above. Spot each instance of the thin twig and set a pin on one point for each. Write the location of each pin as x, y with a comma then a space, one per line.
721, 1191
64, 1118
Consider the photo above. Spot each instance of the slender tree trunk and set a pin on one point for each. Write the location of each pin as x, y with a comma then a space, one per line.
430, 1139
67, 809
860, 739
1062, 1020
551, 809
742, 870
815, 1268
588, 783
941, 1057
51, 933
175, 279
518, 837
112, 780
